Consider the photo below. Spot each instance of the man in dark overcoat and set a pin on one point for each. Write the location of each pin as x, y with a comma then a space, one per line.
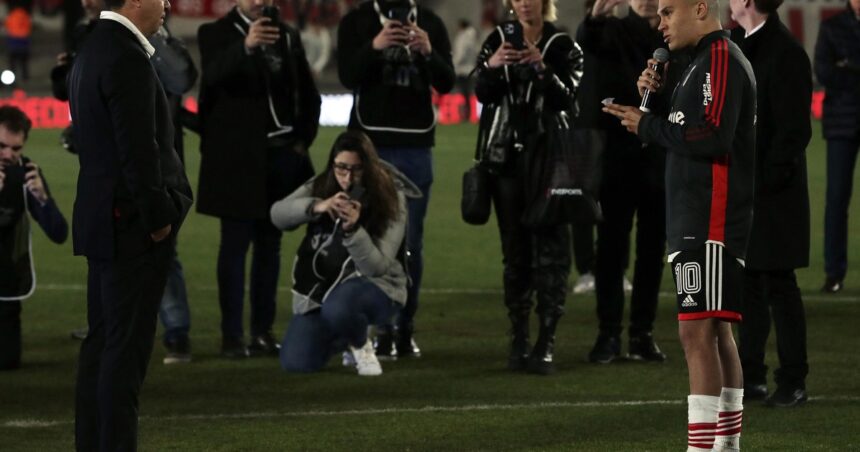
779, 241
259, 113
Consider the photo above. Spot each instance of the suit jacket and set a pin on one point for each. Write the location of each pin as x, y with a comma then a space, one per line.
779, 239
131, 181
235, 113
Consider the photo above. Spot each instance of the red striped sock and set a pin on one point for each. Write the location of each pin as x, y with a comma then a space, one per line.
702, 422
727, 437
700, 436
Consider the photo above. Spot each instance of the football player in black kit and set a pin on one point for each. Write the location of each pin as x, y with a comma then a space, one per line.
710, 138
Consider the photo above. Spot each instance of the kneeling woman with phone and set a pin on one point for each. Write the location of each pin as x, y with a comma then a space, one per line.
349, 270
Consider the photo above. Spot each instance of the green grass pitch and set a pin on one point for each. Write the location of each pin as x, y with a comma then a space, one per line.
457, 396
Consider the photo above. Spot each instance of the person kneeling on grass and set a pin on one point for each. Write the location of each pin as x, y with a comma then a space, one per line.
350, 268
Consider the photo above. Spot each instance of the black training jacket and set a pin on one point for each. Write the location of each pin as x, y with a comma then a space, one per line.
710, 138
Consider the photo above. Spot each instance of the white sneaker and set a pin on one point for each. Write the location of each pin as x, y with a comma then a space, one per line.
628, 286
584, 284
365, 360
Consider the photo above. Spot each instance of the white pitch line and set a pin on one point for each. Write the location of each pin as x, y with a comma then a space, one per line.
36, 423
816, 298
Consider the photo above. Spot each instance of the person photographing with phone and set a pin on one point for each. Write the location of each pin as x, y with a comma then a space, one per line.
259, 114
350, 269
392, 54
527, 72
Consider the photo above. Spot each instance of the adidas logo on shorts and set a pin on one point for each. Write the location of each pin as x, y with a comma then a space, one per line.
689, 302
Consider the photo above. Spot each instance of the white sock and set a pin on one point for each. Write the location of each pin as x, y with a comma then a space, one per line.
727, 437
701, 422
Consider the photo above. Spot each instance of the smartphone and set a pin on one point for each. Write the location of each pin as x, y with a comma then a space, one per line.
400, 14
513, 31
273, 13
356, 191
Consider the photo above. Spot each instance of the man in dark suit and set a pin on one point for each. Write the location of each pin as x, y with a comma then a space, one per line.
132, 196
779, 241
259, 113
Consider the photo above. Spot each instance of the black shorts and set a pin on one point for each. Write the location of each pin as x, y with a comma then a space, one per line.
709, 283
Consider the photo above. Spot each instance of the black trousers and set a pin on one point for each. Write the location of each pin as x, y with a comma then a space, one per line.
773, 295
236, 237
123, 296
535, 260
632, 187
10, 335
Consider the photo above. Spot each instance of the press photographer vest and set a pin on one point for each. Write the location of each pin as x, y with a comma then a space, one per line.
17, 278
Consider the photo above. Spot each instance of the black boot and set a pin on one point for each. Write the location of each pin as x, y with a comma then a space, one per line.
520, 347
540, 360
405, 343
384, 343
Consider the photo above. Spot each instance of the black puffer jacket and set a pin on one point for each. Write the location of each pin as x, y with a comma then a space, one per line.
515, 97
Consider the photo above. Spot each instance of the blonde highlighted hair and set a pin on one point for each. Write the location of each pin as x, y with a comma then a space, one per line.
549, 9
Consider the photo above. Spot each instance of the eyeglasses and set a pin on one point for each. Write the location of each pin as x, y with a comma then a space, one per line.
342, 169
14, 147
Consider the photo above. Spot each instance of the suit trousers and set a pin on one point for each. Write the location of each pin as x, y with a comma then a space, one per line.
773, 295
123, 297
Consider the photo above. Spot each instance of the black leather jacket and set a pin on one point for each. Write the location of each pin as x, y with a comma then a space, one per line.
516, 98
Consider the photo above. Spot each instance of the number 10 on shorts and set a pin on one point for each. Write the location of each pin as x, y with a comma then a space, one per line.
688, 278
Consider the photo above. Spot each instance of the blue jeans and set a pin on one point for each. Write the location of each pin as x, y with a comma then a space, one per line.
174, 312
236, 237
312, 338
841, 157
417, 165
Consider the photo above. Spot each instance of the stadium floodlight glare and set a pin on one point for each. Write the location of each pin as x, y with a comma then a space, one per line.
7, 77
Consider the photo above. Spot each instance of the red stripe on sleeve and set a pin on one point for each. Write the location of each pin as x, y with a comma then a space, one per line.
719, 70
720, 100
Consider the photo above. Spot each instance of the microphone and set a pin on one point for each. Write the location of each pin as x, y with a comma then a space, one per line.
662, 56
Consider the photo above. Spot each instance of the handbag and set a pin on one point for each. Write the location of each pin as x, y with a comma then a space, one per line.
563, 176
475, 204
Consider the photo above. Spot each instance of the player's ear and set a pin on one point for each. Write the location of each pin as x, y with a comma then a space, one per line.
702, 10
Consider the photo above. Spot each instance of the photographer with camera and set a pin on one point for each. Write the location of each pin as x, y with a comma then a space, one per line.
392, 54
259, 114
350, 268
23, 190
527, 71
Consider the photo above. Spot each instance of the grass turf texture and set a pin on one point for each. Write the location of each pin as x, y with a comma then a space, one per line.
457, 397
